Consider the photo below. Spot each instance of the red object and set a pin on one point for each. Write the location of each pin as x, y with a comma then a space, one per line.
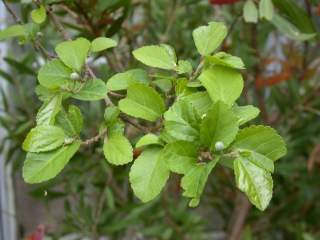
38, 234
222, 2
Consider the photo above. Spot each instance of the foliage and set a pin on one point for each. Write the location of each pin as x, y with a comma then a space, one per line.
180, 115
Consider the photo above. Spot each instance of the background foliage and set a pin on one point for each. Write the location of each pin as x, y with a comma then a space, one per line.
282, 77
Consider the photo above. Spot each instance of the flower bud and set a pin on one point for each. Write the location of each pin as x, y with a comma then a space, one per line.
39, 34
74, 76
219, 146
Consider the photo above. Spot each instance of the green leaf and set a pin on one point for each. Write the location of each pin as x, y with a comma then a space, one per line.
254, 181
159, 56
227, 60
48, 111
194, 181
39, 167
43, 138
102, 43
261, 139
219, 125
44, 94
182, 121
295, 14
180, 156
116, 128
111, 114
250, 12
266, 9
93, 90
54, 74
285, 27
117, 150
223, 84
245, 113
71, 122
148, 139
208, 38
39, 15
148, 174
121, 81
13, 31
184, 66
258, 159
200, 101
164, 84
73, 53
142, 102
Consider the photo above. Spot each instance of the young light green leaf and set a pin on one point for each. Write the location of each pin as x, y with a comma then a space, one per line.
219, 125
250, 12
117, 149
115, 128
164, 84
148, 139
121, 81
142, 102
39, 15
194, 181
180, 156
254, 181
13, 31
148, 174
71, 122
182, 121
43, 138
266, 9
184, 66
48, 111
208, 38
258, 159
93, 90
261, 139
40, 167
44, 94
102, 43
73, 53
200, 101
159, 56
245, 113
291, 31
222, 83
227, 60
111, 114
54, 74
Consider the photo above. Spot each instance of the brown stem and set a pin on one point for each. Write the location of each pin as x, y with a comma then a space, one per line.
14, 16
238, 217
57, 23
95, 138
135, 124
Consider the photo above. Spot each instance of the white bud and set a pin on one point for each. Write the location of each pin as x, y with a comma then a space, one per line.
203, 116
39, 34
68, 140
219, 146
74, 76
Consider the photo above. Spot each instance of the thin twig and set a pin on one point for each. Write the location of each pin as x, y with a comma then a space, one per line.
197, 71
14, 16
95, 138
135, 124
57, 24
239, 215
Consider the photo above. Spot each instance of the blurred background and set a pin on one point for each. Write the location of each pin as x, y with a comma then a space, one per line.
91, 199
